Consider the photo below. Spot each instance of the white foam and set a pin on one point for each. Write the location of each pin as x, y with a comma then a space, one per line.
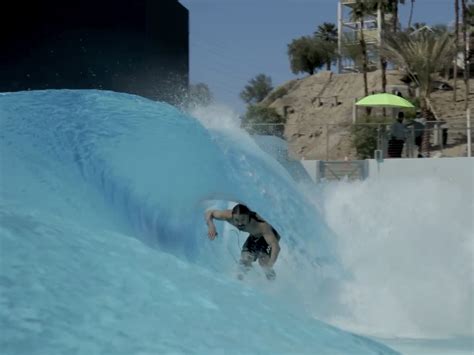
409, 246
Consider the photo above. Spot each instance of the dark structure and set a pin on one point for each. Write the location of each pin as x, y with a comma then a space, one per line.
133, 46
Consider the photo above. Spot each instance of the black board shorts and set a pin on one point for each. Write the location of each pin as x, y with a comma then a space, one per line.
256, 246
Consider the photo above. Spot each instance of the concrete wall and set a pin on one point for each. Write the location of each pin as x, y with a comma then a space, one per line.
311, 167
455, 170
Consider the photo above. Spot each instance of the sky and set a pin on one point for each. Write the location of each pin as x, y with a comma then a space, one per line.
231, 41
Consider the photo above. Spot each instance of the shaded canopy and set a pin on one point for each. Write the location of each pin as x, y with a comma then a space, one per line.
384, 100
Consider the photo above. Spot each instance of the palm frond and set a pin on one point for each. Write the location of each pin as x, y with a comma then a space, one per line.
420, 55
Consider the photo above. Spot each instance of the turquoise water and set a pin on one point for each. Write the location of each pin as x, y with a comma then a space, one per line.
104, 247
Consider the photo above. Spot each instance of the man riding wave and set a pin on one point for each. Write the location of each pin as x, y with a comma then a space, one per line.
262, 243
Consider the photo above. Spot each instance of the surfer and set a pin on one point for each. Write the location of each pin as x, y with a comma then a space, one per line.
262, 243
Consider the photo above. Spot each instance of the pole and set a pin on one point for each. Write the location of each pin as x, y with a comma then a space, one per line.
468, 117
327, 142
340, 14
354, 111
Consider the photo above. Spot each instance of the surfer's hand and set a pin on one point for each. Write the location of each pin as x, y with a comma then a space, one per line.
212, 233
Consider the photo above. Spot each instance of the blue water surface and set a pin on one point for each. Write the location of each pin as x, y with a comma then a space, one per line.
104, 247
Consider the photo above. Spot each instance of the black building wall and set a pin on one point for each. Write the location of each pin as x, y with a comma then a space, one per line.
134, 46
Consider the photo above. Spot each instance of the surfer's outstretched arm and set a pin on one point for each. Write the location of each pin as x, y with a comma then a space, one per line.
221, 215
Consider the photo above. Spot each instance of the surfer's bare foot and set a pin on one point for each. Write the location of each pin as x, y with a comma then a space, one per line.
270, 274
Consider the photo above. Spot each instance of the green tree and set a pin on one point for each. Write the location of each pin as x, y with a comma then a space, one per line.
199, 95
257, 89
305, 55
260, 119
327, 51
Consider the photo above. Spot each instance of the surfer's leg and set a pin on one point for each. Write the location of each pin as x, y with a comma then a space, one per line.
245, 264
247, 257
263, 260
246, 260
249, 252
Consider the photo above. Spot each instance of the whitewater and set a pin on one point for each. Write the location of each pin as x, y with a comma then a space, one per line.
104, 247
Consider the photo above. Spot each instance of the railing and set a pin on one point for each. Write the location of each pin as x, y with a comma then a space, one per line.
336, 141
339, 170
444, 141
371, 35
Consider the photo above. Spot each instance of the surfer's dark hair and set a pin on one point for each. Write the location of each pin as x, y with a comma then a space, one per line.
242, 209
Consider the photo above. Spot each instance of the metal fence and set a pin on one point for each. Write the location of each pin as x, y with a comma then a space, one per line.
437, 138
443, 141
339, 141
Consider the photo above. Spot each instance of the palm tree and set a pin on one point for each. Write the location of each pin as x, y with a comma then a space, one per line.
381, 4
359, 12
384, 6
456, 44
465, 12
327, 36
411, 13
395, 16
417, 26
440, 28
394, 5
421, 55
327, 32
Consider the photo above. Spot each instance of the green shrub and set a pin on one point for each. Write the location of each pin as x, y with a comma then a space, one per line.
365, 137
263, 120
276, 94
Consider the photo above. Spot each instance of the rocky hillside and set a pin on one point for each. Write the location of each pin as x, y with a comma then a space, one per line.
319, 110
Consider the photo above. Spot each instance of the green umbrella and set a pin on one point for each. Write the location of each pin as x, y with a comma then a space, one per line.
384, 100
